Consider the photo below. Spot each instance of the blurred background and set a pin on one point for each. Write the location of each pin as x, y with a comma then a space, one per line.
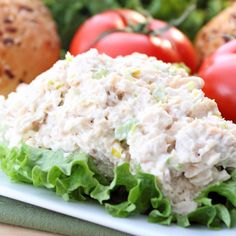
69, 14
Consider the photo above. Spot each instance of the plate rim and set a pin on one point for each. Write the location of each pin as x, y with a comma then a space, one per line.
41, 197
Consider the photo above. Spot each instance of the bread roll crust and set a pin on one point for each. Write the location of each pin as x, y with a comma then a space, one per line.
29, 43
211, 36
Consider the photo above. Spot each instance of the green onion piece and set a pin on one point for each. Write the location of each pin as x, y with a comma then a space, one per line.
159, 94
136, 74
69, 57
182, 66
122, 132
100, 74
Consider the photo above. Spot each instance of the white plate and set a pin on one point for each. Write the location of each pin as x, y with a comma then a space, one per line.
95, 213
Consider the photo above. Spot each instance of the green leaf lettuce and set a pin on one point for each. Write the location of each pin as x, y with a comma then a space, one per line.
75, 176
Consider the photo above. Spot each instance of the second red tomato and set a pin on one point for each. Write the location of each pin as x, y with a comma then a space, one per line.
219, 74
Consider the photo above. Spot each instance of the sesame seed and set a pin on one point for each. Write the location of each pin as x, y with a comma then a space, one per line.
8, 41
9, 73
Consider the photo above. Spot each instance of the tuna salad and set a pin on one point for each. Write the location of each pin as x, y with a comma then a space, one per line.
132, 109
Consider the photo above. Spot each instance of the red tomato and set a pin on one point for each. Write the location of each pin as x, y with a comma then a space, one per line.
115, 33
219, 74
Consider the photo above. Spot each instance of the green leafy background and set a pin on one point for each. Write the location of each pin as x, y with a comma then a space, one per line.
69, 14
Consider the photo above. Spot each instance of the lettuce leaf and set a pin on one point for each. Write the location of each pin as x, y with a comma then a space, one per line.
217, 204
75, 176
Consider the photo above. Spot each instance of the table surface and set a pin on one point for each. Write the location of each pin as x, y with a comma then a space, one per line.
10, 230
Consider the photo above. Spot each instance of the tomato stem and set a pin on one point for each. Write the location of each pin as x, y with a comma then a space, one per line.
175, 22
142, 27
105, 33
178, 21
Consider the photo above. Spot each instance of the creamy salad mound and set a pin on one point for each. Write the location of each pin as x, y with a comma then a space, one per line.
132, 109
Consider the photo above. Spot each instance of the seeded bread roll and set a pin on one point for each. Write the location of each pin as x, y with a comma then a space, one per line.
29, 43
211, 36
